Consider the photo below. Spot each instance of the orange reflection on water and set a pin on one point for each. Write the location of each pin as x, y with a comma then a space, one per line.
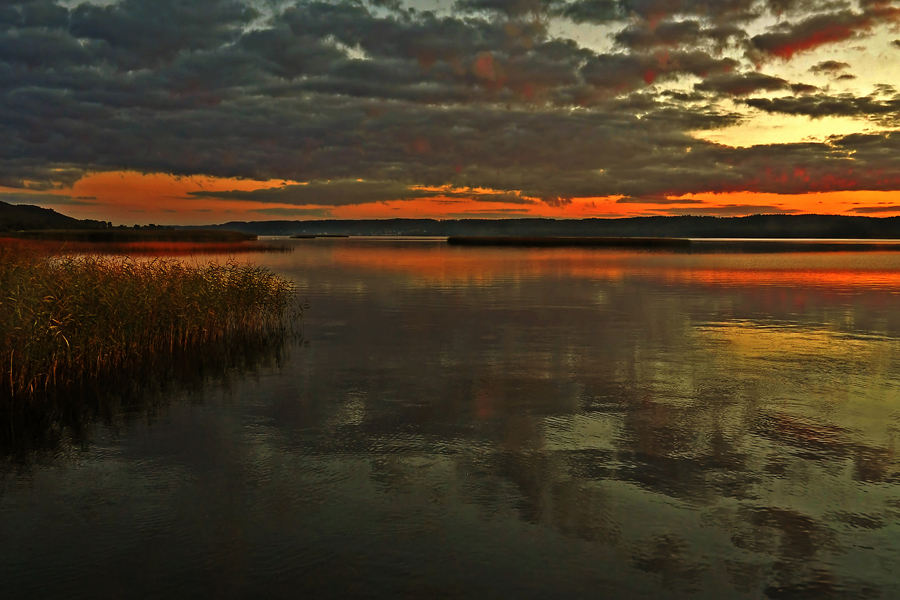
438, 263
834, 279
833, 271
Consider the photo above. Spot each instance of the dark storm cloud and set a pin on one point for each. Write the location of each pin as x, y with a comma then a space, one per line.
37, 13
590, 11
139, 34
722, 12
340, 91
820, 105
654, 11
741, 84
673, 34
510, 8
781, 7
629, 71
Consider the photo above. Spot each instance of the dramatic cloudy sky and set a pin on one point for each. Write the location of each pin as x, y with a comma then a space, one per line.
203, 111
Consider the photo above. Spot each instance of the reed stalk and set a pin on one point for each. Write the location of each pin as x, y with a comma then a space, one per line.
66, 320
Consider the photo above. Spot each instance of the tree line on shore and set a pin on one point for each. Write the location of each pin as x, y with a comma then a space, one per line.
756, 226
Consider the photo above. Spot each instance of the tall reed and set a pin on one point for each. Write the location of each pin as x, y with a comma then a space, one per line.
68, 319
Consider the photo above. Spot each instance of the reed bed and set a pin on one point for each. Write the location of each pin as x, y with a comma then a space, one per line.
66, 320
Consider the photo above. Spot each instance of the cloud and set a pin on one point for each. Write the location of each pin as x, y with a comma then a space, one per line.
353, 192
331, 193
874, 209
138, 34
419, 104
672, 34
733, 210
294, 212
821, 105
805, 88
657, 199
718, 10
45, 199
509, 8
787, 39
744, 84
829, 67
596, 12
620, 72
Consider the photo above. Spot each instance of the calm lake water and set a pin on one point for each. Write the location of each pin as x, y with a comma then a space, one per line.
497, 423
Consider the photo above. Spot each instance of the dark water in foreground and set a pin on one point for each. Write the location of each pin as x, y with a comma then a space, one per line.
499, 423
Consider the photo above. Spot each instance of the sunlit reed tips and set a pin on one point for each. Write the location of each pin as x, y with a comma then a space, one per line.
66, 319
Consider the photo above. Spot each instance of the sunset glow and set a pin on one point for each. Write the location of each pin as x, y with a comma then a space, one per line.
248, 111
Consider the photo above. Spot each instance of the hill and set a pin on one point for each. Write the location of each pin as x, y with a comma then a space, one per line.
18, 217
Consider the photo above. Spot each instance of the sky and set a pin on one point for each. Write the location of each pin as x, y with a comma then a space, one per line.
207, 111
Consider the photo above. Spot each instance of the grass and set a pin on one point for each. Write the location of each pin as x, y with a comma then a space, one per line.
67, 320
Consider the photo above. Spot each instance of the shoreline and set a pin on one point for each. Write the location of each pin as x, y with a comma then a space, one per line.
554, 241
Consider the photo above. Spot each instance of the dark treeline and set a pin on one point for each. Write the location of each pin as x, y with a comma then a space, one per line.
30, 218
756, 226
127, 234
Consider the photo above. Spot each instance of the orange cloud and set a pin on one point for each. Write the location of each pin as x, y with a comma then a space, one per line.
127, 198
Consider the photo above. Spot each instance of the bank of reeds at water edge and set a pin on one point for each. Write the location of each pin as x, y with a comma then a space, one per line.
66, 320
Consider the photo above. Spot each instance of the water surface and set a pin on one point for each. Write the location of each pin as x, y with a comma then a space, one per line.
497, 423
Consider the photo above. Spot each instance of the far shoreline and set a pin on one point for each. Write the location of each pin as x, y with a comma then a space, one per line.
555, 241
124, 234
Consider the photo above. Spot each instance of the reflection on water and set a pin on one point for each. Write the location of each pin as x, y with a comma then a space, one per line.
477, 422
48, 426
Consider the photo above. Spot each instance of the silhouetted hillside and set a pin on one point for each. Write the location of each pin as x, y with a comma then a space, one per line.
757, 226
18, 217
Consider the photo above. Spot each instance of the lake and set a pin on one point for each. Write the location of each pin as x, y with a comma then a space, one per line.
481, 422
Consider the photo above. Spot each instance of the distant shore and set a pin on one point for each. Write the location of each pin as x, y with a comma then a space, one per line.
695, 245
138, 242
685, 227
544, 241
120, 235
304, 236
